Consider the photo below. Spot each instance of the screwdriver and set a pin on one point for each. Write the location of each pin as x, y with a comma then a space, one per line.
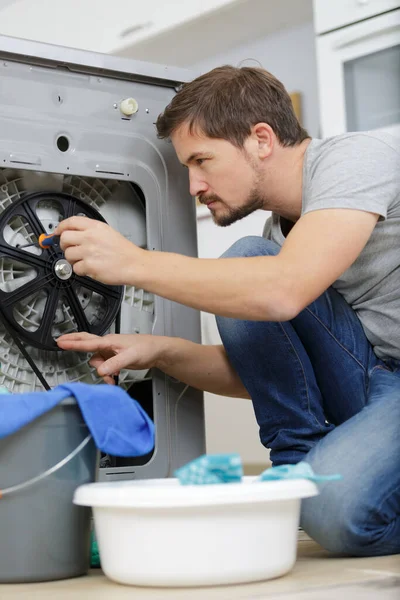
44, 241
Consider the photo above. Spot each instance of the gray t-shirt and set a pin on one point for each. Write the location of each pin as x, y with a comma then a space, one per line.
361, 171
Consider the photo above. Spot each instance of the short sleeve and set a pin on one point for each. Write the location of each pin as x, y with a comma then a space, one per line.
359, 172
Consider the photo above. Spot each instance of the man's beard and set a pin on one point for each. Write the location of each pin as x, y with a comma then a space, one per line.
254, 202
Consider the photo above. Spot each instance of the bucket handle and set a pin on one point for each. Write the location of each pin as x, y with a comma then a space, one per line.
57, 467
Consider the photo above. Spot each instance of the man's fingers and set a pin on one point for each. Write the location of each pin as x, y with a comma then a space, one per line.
81, 342
77, 223
113, 365
78, 335
97, 360
71, 238
88, 342
81, 270
73, 254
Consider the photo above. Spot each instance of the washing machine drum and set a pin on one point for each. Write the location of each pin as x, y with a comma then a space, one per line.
40, 296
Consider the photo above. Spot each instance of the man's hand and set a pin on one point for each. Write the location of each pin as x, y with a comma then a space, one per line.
98, 251
115, 352
203, 367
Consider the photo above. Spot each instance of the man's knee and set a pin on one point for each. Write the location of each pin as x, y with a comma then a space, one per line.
252, 245
345, 527
327, 520
360, 514
346, 519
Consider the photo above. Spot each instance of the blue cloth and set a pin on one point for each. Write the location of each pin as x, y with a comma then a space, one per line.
118, 424
322, 396
300, 471
227, 468
211, 469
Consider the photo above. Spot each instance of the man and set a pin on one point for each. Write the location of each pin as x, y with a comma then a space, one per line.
309, 314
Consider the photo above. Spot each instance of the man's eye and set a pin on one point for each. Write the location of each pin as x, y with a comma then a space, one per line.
200, 161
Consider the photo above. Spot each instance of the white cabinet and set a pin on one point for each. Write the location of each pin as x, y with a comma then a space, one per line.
99, 25
173, 32
359, 75
329, 15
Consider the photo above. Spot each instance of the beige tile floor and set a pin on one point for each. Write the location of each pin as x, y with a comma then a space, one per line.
316, 576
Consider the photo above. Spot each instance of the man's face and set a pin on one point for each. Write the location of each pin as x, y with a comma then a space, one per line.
223, 177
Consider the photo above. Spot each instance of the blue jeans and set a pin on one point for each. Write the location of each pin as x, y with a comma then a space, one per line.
320, 394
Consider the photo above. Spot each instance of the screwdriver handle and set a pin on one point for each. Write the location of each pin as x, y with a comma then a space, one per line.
45, 241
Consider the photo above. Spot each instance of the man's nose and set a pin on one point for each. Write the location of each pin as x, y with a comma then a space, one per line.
197, 185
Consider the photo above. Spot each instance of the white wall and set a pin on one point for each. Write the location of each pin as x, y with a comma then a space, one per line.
289, 55
230, 422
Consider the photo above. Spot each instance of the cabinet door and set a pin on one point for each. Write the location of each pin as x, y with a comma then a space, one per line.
331, 14
359, 76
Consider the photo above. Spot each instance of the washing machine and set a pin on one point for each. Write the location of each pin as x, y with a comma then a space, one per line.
78, 137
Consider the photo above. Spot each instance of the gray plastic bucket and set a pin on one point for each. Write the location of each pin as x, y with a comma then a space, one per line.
43, 535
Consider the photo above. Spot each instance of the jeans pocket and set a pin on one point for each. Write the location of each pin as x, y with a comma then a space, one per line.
383, 381
380, 368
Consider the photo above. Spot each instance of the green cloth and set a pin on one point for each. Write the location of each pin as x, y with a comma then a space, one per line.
94, 552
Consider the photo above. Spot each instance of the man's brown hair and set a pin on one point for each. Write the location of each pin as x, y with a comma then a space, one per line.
227, 101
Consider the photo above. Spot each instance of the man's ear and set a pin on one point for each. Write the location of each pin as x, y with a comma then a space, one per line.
264, 135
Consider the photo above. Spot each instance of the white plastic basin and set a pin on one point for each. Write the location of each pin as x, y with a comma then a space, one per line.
158, 533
